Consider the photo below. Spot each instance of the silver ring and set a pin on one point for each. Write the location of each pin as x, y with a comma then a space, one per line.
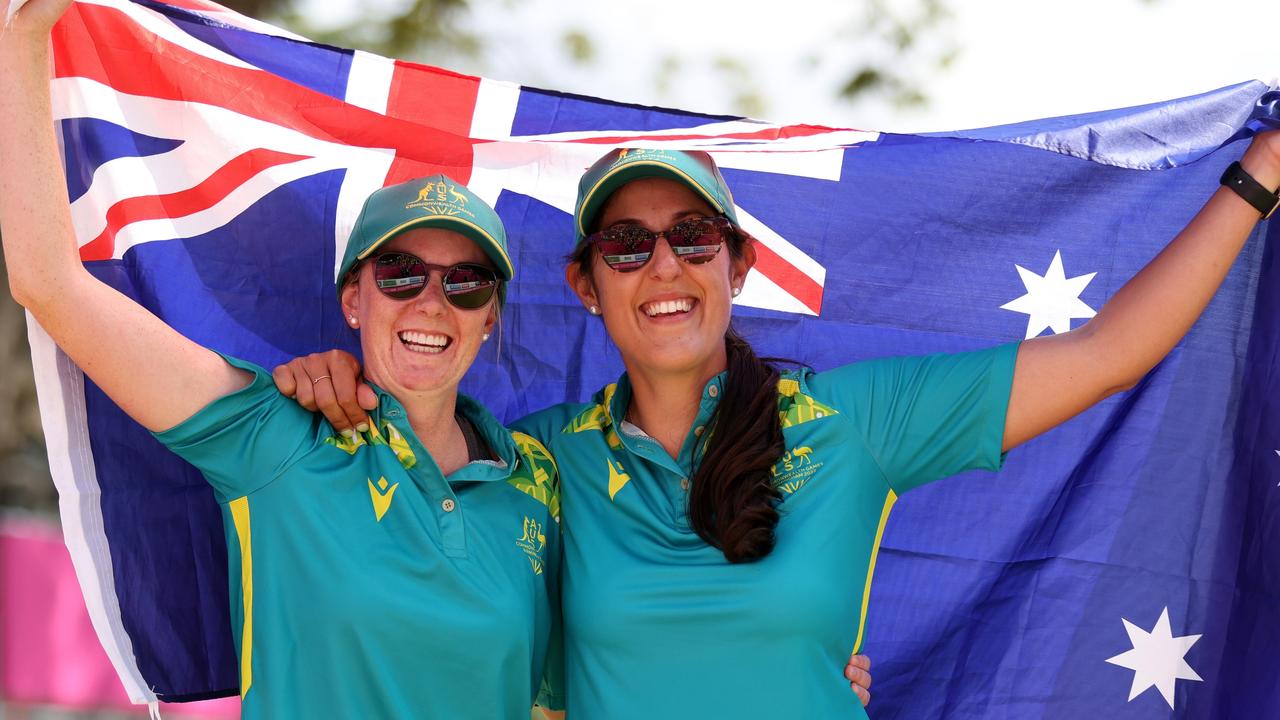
322, 377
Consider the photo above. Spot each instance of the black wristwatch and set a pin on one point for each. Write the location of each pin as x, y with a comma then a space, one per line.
1262, 199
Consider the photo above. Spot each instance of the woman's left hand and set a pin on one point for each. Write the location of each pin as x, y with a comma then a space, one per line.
858, 673
329, 383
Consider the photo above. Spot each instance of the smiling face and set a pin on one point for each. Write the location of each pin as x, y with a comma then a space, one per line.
423, 345
669, 316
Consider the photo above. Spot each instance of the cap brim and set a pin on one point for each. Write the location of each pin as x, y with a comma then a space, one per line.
609, 183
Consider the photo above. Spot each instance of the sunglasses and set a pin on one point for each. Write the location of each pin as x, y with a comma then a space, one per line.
401, 276
627, 248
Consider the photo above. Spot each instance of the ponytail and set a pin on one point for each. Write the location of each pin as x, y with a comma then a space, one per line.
732, 499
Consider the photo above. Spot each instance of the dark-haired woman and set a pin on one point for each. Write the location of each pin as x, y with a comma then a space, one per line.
720, 518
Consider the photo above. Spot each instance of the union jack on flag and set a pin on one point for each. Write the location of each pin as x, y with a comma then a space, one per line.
216, 165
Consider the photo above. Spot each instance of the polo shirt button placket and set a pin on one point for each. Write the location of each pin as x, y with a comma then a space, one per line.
452, 533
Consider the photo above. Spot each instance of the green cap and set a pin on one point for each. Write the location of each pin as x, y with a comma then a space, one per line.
693, 168
437, 201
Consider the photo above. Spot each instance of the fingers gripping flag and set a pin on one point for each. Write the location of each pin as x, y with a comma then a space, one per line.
216, 165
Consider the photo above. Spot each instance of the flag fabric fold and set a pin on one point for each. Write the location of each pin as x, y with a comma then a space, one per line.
1122, 565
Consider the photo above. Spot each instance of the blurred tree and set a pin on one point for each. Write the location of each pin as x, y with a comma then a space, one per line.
887, 48
422, 30
257, 8
902, 41
423, 23
24, 468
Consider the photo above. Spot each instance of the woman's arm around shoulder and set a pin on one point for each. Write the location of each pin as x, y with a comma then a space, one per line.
1057, 377
158, 377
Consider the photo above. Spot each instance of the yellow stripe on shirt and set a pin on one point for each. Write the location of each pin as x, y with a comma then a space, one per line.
889, 500
240, 516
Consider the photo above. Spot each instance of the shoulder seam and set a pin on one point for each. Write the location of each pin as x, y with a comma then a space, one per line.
862, 440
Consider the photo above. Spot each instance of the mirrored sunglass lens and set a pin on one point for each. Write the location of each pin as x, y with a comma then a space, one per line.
626, 247
695, 241
687, 232
698, 254
469, 286
400, 276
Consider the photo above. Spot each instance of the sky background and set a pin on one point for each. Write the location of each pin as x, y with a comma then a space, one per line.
1015, 60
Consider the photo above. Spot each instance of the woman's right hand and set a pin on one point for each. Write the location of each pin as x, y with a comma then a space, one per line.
34, 19
329, 383
106, 333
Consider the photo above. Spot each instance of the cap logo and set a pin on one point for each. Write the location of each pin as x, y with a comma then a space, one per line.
440, 198
642, 153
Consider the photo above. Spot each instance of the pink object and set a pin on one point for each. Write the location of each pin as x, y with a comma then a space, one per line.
49, 654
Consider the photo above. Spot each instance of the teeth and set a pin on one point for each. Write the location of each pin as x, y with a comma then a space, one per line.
668, 307
424, 343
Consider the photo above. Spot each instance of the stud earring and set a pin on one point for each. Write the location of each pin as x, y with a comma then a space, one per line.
594, 309
485, 336
737, 292
353, 320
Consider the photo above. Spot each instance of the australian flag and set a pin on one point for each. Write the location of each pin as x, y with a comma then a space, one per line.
1125, 565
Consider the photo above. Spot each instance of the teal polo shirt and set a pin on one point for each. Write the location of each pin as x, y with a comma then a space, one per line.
366, 584
658, 624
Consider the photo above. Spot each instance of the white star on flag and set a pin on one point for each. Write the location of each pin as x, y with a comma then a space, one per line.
1052, 301
1157, 658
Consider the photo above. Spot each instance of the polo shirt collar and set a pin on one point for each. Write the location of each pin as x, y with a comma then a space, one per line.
615, 405
401, 438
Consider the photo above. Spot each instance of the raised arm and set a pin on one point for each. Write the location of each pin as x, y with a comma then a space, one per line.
1058, 377
156, 375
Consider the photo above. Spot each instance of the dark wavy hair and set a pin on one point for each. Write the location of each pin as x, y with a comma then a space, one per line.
732, 499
